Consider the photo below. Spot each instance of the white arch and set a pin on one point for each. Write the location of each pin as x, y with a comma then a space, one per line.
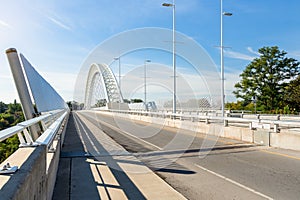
108, 80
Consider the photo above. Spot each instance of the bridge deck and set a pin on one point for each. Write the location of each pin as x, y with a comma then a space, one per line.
93, 166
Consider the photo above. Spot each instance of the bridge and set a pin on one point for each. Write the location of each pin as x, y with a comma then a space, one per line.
109, 151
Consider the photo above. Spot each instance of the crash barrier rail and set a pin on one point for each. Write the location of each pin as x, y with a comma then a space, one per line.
253, 121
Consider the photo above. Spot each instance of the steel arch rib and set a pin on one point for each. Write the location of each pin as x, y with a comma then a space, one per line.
111, 89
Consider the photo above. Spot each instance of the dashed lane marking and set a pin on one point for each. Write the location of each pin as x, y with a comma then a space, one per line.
234, 182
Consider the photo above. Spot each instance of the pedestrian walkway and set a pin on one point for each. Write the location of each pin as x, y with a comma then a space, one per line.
93, 166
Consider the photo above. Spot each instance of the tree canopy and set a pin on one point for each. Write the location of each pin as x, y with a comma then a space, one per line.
266, 78
10, 115
292, 94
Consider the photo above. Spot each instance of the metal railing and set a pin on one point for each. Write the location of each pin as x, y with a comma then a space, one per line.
50, 122
255, 121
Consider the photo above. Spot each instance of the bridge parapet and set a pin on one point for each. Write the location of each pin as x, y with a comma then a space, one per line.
268, 131
40, 135
37, 161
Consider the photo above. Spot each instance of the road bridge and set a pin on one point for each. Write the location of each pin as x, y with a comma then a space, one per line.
118, 153
231, 169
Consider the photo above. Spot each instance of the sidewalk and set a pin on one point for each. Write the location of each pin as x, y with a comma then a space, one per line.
93, 166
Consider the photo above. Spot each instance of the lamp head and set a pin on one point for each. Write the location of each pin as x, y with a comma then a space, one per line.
227, 14
167, 4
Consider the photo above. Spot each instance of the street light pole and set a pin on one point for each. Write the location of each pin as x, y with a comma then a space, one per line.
119, 59
174, 54
222, 58
145, 83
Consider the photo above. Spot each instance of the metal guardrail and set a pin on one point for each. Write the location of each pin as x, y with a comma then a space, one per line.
46, 138
197, 116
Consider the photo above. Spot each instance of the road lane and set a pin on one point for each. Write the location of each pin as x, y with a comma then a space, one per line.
273, 175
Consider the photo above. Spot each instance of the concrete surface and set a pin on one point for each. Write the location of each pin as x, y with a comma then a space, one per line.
29, 182
210, 167
93, 166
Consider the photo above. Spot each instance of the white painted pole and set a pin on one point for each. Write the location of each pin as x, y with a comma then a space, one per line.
222, 62
174, 60
145, 83
174, 54
222, 57
22, 88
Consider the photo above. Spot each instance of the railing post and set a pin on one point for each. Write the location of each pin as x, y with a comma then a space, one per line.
276, 128
225, 122
207, 121
22, 89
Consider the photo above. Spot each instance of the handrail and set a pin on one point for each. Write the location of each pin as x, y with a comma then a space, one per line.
207, 117
6, 133
47, 137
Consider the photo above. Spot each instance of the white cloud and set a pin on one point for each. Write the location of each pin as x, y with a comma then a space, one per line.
252, 51
59, 23
238, 55
4, 24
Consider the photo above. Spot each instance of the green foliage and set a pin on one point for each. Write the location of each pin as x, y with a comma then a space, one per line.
101, 103
3, 107
8, 146
14, 107
235, 106
292, 95
267, 78
10, 115
286, 109
136, 100
3, 124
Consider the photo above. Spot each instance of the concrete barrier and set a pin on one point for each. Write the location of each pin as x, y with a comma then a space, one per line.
29, 181
262, 136
231, 133
52, 167
285, 139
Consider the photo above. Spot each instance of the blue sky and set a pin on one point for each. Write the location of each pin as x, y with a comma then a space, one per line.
56, 36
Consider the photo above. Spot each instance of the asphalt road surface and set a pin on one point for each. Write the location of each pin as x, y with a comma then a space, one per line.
206, 167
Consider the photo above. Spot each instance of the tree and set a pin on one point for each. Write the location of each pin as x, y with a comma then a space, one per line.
266, 78
14, 107
13, 115
3, 107
136, 100
292, 94
101, 103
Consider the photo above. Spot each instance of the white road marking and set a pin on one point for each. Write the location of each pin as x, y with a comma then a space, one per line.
77, 120
78, 129
119, 130
234, 182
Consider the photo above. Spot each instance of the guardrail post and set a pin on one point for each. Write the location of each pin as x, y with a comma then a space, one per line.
276, 128
250, 126
225, 122
258, 117
207, 121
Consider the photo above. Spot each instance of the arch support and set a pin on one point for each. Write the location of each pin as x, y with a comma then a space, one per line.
102, 81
